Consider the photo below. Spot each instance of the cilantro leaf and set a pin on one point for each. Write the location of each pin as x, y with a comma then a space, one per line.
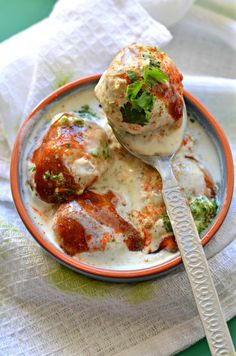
134, 116
154, 73
140, 102
203, 210
154, 62
146, 55
133, 90
144, 101
78, 121
132, 76
167, 223
87, 113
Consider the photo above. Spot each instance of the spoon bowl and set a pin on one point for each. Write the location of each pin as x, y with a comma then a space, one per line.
154, 160
162, 142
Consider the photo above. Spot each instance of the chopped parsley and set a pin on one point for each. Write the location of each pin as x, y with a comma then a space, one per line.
87, 113
134, 116
137, 109
47, 175
144, 101
67, 145
154, 62
58, 178
86, 108
78, 121
132, 76
59, 192
166, 223
154, 73
139, 104
63, 121
69, 191
133, 90
146, 56
33, 169
104, 151
70, 120
203, 211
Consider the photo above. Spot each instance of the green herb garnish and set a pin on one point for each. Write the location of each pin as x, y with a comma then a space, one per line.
154, 73
133, 90
58, 178
154, 63
33, 169
87, 113
78, 121
134, 116
86, 108
144, 101
46, 175
140, 100
203, 211
63, 121
132, 76
59, 192
166, 223
146, 55
67, 145
69, 191
104, 151
139, 104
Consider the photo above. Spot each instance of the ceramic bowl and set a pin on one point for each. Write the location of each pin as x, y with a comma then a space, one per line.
225, 189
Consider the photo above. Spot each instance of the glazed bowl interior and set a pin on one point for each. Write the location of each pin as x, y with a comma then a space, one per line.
38, 122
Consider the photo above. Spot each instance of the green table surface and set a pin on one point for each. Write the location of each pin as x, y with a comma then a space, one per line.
17, 15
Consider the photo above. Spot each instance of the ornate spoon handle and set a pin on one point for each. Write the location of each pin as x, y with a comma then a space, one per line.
196, 265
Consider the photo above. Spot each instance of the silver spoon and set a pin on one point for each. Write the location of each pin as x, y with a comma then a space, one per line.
190, 247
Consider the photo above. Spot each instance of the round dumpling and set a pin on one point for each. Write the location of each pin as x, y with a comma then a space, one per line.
92, 223
141, 90
73, 154
192, 177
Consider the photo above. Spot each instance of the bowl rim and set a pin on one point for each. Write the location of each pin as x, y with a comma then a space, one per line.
97, 271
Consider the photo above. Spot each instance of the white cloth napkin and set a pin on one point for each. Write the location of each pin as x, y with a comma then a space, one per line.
46, 308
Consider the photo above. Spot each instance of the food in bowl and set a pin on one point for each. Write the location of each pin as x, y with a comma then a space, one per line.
141, 93
119, 219
95, 201
72, 155
141, 90
106, 218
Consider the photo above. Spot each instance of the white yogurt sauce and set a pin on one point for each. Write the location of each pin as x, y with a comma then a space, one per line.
123, 176
162, 143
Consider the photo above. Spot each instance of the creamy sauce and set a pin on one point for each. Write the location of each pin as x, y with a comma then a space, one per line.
160, 142
126, 176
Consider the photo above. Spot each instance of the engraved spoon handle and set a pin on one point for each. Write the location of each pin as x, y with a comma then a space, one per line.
195, 263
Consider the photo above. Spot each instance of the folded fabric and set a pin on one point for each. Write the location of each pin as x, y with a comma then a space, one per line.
76, 40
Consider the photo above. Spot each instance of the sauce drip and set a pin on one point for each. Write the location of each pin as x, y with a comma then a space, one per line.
53, 181
73, 236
